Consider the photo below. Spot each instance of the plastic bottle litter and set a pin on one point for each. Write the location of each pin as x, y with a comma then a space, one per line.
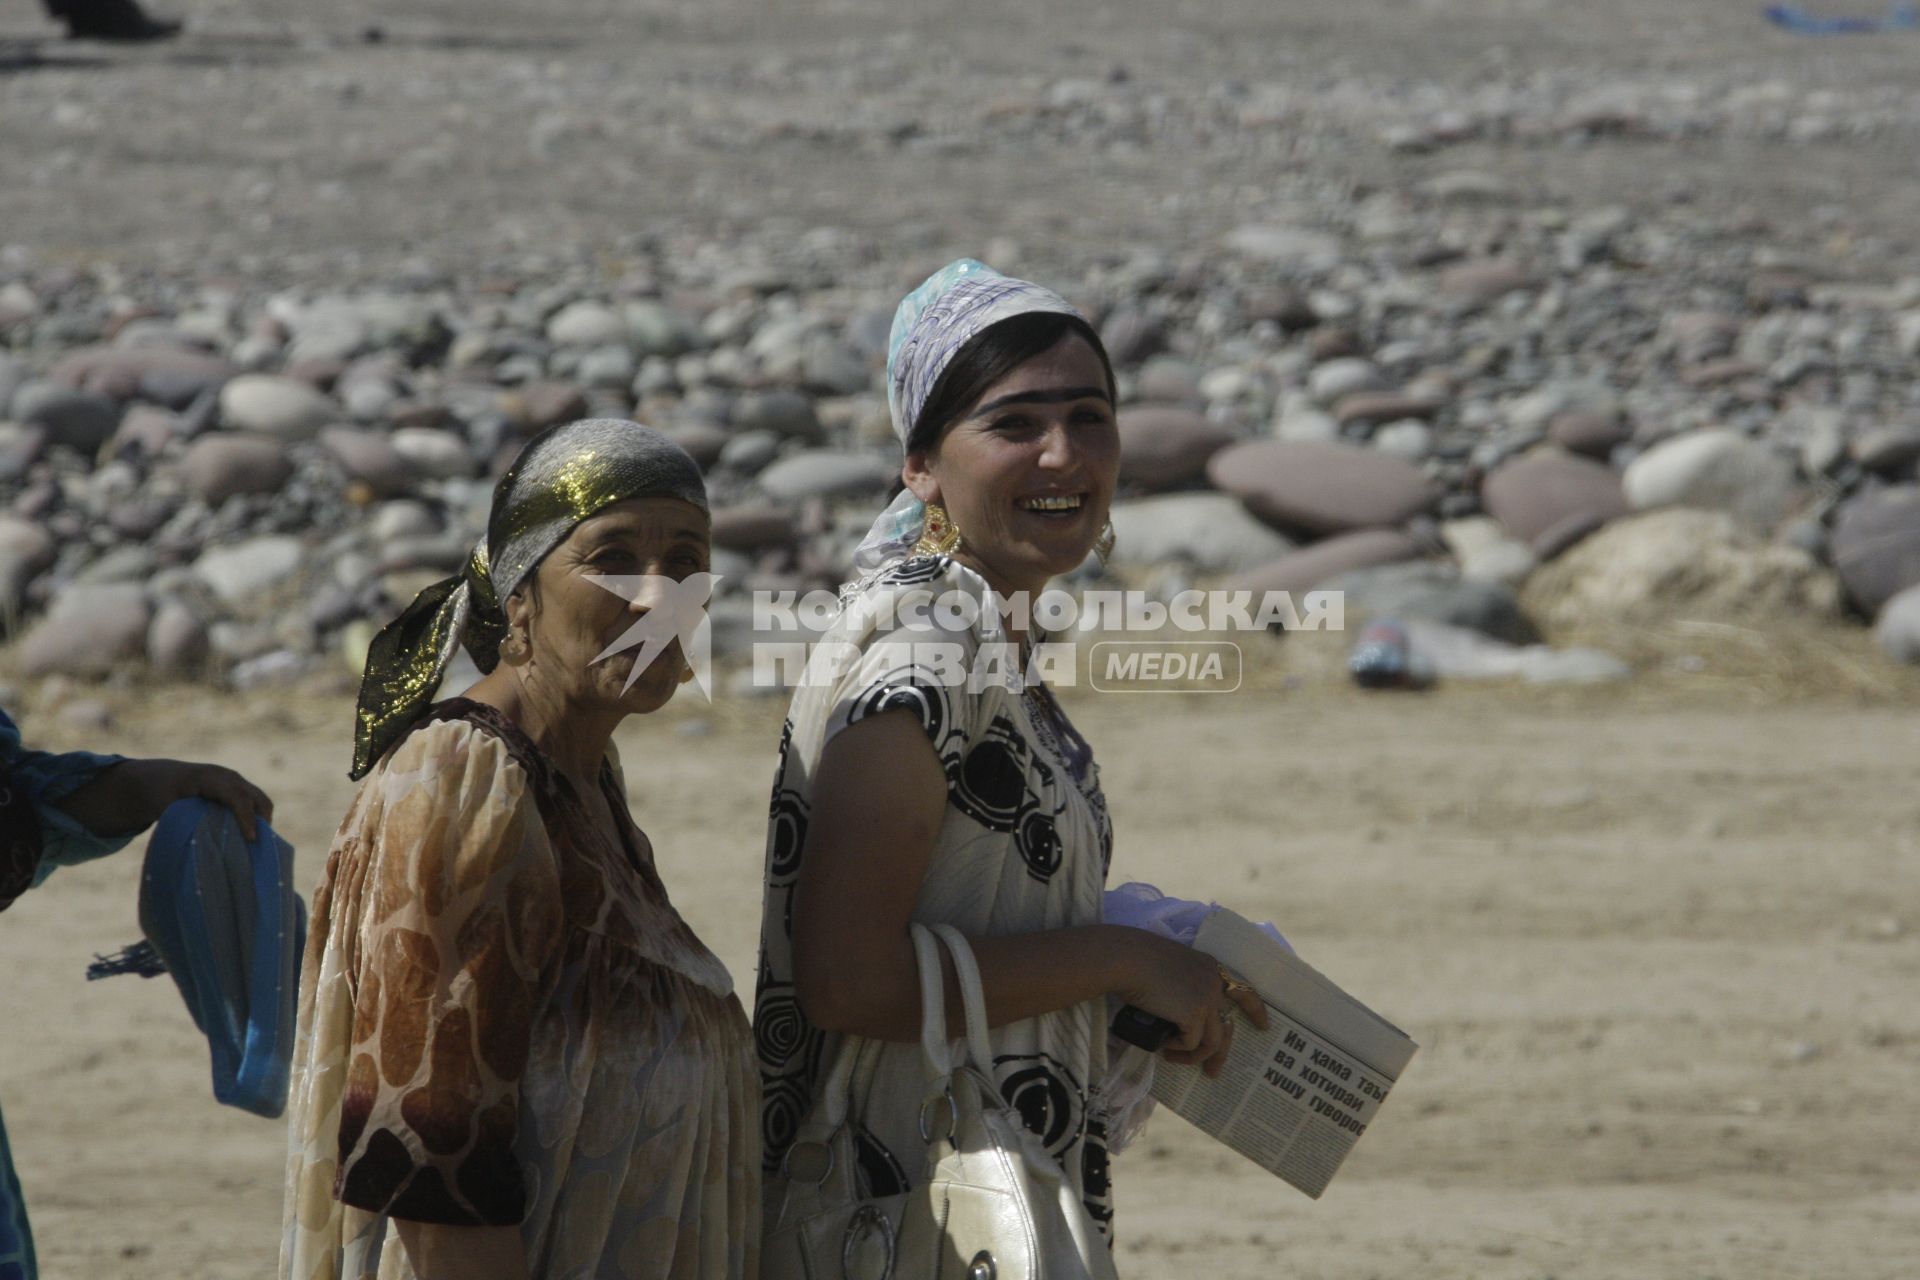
1383, 658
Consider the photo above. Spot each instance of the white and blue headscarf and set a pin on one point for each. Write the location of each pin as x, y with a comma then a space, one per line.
930, 326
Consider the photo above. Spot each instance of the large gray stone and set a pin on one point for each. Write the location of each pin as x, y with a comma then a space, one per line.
755, 527
785, 413
14, 374
1436, 592
402, 518
655, 329
1337, 379
1679, 562
1890, 451
89, 631
1898, 629
431, 451
217, 467
1876, 545
703, 441
826, 473
20, 447
1592, 433
270, 405
586, 324
237, 572
177, 642
749, 451
1296, 247
1162, 446
121, 373
81, 420
1212, 532
370, 458
1483, 550
1369, 408
1320, 488
1475, 284
1409, 441
26, 550
1168, 380
1312, 566
1530, 495
1717, 470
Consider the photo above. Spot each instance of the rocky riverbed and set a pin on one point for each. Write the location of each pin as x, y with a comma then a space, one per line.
1501, 336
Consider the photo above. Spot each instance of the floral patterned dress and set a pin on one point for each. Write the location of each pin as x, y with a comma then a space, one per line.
1024, 846
504, 1022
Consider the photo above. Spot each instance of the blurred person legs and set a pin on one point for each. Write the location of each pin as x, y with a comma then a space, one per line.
110, 20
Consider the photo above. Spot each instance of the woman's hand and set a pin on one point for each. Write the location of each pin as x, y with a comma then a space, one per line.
1188, 989
170, 780
130, 796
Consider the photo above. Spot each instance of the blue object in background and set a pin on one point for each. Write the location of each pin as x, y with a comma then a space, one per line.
1904, 16
16, 1239
222, 915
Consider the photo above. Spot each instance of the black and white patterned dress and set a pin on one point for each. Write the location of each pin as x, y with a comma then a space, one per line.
1023, 847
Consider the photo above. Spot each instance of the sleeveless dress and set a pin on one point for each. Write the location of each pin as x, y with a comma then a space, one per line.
1023, 846
504, 1022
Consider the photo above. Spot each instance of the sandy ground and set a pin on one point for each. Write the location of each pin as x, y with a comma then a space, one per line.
1661, 957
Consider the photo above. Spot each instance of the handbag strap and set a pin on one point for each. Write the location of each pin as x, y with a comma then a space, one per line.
858, 1058
973, 997
933, 1003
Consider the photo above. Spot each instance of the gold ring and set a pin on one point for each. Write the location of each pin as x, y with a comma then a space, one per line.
1230, 985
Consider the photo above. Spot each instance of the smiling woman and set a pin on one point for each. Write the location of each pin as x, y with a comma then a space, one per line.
907, 796
515, 1059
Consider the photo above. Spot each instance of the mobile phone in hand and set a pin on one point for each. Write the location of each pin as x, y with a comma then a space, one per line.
1138, 1027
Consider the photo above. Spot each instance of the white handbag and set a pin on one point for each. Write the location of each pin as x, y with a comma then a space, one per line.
992, 1204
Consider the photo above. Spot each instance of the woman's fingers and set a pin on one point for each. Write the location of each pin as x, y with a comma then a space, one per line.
250, 805
1207, 1050
1218, 1062
1250, 1004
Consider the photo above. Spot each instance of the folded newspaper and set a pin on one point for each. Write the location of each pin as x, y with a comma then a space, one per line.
1295, 1097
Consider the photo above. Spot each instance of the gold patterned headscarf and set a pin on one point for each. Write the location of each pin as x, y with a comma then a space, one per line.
563, 476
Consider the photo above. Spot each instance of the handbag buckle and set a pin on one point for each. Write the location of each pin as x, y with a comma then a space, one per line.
927, 1125
803, 1171
867, 1220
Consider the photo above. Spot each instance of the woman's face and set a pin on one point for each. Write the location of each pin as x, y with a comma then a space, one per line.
1028, 470
569, 619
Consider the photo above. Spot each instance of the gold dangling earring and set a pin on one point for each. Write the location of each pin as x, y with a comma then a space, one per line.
939, 536
1103, 545
514, 648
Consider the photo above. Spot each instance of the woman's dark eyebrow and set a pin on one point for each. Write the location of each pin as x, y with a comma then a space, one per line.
1061, 396
620, 533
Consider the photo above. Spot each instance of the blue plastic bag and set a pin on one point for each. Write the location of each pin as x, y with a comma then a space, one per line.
221, 913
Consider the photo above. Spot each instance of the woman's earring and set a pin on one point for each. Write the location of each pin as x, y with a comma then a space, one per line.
939, 536
1103, 545
514, 647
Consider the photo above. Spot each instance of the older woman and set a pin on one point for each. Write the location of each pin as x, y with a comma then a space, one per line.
906, 794
516, 1060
